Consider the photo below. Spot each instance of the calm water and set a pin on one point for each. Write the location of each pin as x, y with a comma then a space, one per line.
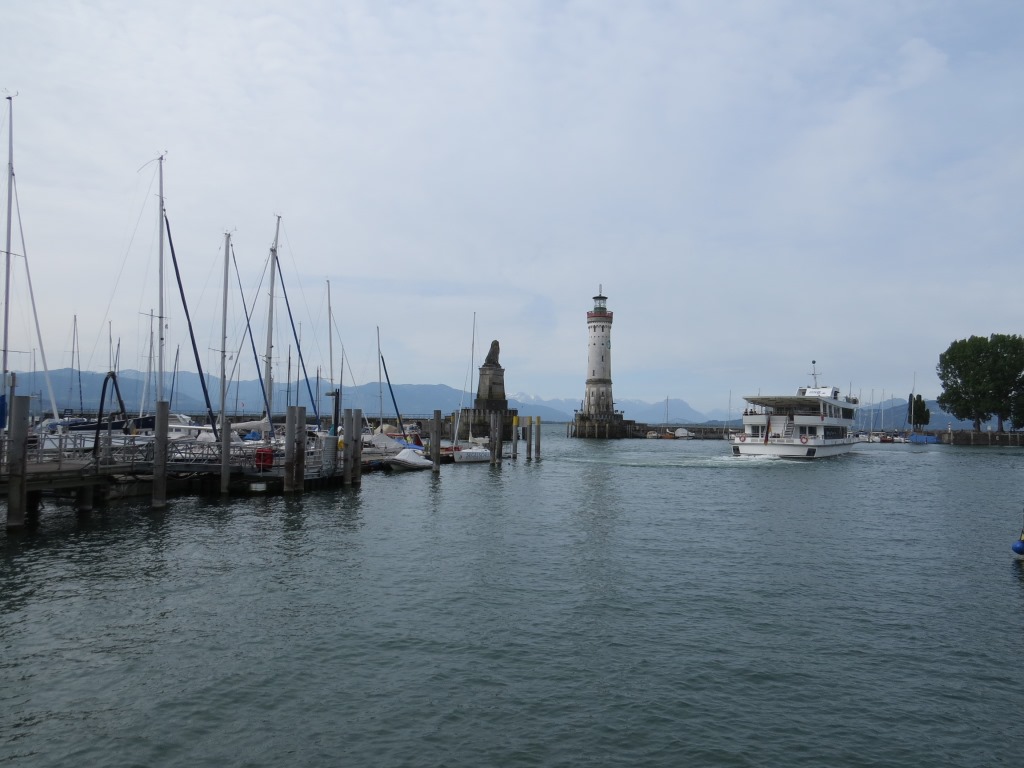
616, 603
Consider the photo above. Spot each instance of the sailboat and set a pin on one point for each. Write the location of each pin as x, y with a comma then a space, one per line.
473, 453
7, 383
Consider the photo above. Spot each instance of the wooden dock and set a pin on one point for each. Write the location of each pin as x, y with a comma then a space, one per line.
75, 469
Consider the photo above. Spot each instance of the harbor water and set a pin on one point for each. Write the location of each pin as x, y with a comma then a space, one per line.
619, 603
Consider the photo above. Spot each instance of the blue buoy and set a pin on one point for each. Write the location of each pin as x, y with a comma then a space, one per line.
1018, 546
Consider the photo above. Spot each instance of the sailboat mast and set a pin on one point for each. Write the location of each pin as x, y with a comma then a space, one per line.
270, 323
224, 332
13, 193
78, 368
330, 338
380, 383
472, 401
871, 422
7, 249
160, 291
149, 368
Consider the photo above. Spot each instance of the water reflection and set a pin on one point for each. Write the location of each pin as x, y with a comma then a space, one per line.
1017, 569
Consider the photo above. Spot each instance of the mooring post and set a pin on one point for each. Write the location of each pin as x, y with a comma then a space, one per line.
332, 456
538, 438
330, 449
17, 462
159, 500
300, 448
289, 450
357, 446
225, 454
348, 450
515, 437
435, 442
529, 437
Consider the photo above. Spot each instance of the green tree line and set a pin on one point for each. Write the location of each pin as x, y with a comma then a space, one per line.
984, 377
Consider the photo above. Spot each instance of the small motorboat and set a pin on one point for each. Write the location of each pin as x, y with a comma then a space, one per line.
408, 459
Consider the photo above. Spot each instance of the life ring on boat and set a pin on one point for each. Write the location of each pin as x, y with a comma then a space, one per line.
803, 439
743, 438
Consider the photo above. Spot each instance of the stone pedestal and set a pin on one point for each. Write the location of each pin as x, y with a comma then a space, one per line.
490, 394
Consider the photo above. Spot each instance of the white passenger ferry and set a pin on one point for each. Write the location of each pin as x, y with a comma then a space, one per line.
813, 423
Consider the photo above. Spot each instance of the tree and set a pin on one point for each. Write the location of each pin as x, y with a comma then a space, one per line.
921, 414
965, 389
1006, 372
1017, 411
982, 378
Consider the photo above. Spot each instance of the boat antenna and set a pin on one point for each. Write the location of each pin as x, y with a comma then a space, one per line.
814, 373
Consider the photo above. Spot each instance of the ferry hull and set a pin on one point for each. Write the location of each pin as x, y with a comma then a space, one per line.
792, 448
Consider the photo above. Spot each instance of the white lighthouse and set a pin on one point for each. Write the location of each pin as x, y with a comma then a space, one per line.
598, 404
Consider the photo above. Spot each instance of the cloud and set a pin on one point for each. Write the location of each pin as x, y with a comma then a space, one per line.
754, 185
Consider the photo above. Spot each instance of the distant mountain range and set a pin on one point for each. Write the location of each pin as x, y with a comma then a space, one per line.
80, 392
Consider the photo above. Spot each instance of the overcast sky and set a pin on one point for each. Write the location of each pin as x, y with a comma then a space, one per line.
754, 185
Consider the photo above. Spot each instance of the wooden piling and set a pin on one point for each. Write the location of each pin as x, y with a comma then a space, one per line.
331, 452
515, 437
225, 456
529, 437
492, 434
435, 442
300, 448
537, 437
288, 481
357, 447
159, 498
349, 449
17, 462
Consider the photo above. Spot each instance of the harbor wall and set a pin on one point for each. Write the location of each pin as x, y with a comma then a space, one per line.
981, 439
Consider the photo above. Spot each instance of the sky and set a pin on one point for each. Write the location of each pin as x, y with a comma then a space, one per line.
753, 186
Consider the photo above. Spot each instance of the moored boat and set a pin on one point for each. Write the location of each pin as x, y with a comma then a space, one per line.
470, 454
815, 422
408, 459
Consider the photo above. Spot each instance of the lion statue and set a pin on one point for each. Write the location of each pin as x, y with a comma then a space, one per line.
492, 355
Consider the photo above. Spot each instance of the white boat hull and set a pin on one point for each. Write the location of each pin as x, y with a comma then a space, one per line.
408, 459
472, 455
792, 448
